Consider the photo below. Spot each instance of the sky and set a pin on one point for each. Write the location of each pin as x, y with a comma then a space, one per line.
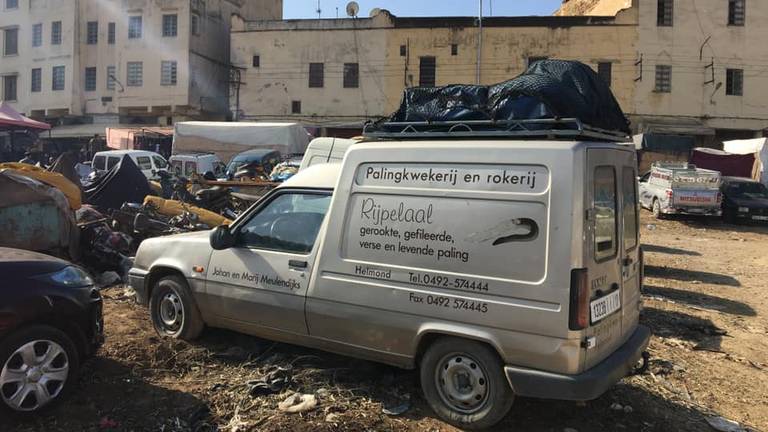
308, 8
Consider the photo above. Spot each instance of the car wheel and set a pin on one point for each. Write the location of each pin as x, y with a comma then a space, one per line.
464, 383
39, 366
173, 309
657, 210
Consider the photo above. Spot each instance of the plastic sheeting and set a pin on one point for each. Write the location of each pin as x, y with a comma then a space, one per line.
227, 139
729, 164
57, 180
756, 146
548, 89
123, 183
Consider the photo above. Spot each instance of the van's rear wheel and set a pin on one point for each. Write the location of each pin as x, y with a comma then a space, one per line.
657, 209
464, 382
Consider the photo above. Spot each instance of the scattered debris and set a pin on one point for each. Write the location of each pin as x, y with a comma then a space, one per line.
274, 381
107, 279
397, 410
298, 403
724, 425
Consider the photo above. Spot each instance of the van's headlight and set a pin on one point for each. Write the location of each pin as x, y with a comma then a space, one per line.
69, 276
743, 209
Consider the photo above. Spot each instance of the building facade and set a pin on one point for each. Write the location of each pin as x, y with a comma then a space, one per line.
120, 61
689, 67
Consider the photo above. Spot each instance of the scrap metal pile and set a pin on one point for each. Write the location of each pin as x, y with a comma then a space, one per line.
101, 219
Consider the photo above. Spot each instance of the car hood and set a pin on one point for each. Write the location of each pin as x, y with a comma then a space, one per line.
23, 263
760, 203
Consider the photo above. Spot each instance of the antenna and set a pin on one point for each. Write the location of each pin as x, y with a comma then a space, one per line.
318, 10
352, 9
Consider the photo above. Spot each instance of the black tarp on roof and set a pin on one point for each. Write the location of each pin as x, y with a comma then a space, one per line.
123, 183
548, 89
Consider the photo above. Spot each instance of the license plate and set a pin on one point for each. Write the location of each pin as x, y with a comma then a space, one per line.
605, 306
762, 218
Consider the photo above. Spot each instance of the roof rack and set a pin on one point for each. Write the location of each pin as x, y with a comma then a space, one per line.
570, 128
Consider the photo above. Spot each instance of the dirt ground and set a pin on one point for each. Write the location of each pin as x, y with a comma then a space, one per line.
705, 301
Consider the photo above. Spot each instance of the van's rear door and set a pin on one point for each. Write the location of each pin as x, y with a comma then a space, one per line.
631, 264
604, 253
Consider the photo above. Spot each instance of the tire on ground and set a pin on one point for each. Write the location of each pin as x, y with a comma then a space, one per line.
40, 333
191, 324
499, 396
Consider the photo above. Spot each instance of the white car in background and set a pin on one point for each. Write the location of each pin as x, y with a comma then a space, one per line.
147, 161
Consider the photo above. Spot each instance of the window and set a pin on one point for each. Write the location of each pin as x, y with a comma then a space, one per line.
168, 73
57, 80
256, 61
427, 66
604, 70
56, 33
10, 87
170, 25
629, 211
288, 223
663, 79
664, 9
134, 27
190, 168
11, 45
295, 107
534, 59
11, 4
90, 79
98, 162
37, 35
36, 81
110, 77
135, 76
604, 206
351, 75
112, 161
316, 75
144, 163
734, 82
111, 33
736, 12
403, 50
160, 163
454, 49
93, 33
195, 24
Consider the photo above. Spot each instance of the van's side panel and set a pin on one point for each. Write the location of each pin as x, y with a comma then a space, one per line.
475, 241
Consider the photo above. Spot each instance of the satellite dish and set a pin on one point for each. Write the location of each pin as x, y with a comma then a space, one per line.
352, 9
374, 12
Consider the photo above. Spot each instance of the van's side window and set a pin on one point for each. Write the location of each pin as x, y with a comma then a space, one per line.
288, 223
144, 163
604, 205
112, 161
629, 186
160, 163
98, 162
190, 168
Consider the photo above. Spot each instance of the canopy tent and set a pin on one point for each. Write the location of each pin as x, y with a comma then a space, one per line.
11, 119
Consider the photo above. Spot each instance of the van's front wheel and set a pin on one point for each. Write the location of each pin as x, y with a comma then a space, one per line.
464, 382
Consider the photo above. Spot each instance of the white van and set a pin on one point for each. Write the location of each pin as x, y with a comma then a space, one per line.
497, 267
325, 150
147, 161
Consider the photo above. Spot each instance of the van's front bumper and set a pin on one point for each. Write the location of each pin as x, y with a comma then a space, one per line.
587, 385
137, 280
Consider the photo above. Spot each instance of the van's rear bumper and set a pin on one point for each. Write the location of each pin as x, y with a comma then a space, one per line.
587, 385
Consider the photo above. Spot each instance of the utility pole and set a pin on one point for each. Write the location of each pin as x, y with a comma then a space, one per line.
319, 11
479, 40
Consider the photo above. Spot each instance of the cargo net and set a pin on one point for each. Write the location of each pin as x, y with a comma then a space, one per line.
548, 90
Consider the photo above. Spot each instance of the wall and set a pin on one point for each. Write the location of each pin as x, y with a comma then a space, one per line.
700, 27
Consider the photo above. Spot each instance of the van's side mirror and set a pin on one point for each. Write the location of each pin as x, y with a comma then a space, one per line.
222, 238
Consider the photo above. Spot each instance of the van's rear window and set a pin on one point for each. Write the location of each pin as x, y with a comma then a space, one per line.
604, 205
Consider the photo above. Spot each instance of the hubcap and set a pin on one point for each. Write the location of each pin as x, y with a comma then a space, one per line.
171, 312
34, 375
462, 383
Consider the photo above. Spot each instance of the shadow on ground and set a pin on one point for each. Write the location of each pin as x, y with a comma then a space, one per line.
668, 250
718, 225
690, 275
701, 332
704, 301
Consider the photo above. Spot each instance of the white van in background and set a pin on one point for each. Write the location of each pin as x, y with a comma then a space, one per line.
147, 161
324, 150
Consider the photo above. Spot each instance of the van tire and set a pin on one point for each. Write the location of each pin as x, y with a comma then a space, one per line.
656, 209
173, 309
472, 361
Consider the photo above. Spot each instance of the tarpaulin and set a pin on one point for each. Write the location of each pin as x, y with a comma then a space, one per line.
172, 208
10, 118
548, 89
728, 164
70, 190
123, 183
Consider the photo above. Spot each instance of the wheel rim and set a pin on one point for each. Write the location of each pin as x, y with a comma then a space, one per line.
171, 311
462, 383
34, 375
656, 208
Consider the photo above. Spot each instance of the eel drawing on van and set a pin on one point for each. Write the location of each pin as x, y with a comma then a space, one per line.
512, 230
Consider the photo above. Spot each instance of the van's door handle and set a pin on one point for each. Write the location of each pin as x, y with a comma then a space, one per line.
296, 264
627, 261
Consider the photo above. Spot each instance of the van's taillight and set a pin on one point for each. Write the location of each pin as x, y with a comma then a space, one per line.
578, 317
719, 198
670, 195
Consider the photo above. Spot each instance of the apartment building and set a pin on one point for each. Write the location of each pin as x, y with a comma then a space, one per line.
120, 61
691, 67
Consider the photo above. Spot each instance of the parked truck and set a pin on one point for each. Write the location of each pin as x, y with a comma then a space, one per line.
680, 188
